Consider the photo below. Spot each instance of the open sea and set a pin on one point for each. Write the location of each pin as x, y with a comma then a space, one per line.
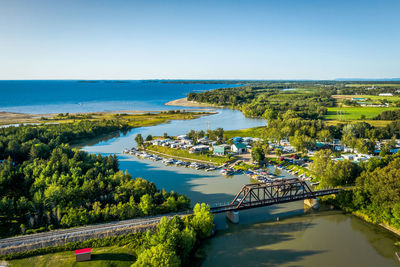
60, 96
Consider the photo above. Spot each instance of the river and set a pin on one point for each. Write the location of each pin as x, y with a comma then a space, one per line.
301, 237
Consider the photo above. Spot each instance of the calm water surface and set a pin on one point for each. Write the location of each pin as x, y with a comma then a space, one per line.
73, 96
300, 238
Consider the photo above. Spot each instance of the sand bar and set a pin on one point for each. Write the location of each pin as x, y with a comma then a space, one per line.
183, 102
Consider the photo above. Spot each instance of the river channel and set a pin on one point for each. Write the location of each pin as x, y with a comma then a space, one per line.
282, 235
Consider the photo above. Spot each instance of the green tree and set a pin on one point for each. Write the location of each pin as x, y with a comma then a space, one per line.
324, 135
139, 139
322, 159
159, 256
40, 151
384, 150
349, 140
257, 154
202, 220
300, 142
341, 173
146, 205
149, 137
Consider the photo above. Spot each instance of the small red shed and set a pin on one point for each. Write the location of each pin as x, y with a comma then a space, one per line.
83, 254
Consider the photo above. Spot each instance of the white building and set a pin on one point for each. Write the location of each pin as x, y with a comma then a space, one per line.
386, 94
199, 148
239, 148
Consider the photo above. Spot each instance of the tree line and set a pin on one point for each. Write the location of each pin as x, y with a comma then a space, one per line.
45, 184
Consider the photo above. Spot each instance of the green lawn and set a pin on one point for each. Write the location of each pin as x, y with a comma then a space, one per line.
184, 154
105, 256
354, 113
250, 132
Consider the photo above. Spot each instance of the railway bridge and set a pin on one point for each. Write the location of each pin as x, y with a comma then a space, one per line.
271, 193
250, 196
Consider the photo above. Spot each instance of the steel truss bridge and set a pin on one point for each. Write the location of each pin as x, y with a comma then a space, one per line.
270, 193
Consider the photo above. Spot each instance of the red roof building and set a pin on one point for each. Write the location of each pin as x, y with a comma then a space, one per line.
83, 254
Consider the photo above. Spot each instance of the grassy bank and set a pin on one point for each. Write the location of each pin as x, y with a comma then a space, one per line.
109, 251
250, 132
173, 243
105, 256
333, 200
185, 155
133, 119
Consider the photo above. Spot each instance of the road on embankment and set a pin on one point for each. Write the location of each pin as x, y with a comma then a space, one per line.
65, 234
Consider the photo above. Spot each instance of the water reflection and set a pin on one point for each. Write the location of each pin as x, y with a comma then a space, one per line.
301, 237
312, 239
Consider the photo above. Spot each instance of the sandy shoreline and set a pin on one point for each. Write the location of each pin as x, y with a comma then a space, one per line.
8, 118
183, 102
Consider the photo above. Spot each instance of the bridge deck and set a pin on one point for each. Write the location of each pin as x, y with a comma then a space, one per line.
273, 201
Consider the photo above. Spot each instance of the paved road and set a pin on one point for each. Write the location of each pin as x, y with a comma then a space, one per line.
89, 229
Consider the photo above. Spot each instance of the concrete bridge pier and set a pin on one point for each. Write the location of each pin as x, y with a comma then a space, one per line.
233, 216
312, 202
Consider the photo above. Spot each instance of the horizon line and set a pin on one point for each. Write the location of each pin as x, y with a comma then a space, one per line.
228, 79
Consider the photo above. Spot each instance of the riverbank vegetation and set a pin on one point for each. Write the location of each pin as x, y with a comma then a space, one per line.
184, 154
131, 119
172, 244
45, 184
361, 116
371, 188
337, 102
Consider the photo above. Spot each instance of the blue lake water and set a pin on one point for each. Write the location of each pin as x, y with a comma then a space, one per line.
300, 238
75, 96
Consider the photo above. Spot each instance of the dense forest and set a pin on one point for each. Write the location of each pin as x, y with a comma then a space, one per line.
389, 115
45, 184
269, 100
375, 186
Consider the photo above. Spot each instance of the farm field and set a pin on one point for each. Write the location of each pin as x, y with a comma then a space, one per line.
354, 113
372, 97
375, 123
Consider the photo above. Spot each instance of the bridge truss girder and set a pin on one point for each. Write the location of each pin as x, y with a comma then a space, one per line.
276, 192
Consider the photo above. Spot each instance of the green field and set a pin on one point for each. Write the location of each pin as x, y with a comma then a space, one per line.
250, 132
106, 256
354, 113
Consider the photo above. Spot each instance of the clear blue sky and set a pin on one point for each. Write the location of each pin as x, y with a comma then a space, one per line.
233, 39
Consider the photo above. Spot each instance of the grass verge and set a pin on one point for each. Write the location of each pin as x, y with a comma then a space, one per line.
185, 155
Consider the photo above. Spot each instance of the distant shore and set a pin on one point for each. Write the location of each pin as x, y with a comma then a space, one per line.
10, 118
183, 102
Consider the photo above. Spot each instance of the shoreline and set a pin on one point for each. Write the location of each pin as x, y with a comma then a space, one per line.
183, 102
10, 118
382, 226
